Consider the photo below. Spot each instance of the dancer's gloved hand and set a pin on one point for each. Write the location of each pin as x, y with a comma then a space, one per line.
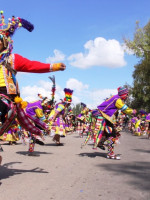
58, 67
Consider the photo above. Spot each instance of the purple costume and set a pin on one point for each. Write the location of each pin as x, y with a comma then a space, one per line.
108, 107
31, 107
148, 117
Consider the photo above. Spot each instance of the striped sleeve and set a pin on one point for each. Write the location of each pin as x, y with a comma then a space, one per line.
123, 107
60, 108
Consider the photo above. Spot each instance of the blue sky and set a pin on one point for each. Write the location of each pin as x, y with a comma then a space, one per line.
87, 35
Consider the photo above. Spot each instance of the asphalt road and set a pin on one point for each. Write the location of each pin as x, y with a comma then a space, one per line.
68, 172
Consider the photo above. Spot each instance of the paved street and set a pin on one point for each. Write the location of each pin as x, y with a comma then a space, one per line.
68, 172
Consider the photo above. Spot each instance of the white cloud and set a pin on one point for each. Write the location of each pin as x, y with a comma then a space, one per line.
58, 57
92, 98
99, 52
98, 96
75, 100
81, 93
76, 85
29, 93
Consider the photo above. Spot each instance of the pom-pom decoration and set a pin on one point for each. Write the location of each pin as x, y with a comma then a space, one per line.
18, 100
24, 104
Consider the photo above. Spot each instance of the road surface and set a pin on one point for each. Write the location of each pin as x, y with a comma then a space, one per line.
68, 172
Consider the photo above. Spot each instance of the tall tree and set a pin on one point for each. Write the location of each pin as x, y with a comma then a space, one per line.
141, 42
141, 75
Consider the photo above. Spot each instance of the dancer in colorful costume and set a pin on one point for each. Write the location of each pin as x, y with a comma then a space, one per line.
90, 128
137, 126
143, 115
120, 120
34, 111
49, 103
81, 118
69, 121
57, 116
133, 122
10, 64
105, 111
12, 135
147, 125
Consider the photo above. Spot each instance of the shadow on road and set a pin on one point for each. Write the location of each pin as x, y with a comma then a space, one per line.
77, 136
138, 172
7, 144
53, 144
142, 150
94, 154
36, 153
6, 170
143, 138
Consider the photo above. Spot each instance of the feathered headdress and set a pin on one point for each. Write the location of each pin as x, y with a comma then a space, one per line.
53, 87
68, 95
13, 24
8, 30
83, 105
142, 112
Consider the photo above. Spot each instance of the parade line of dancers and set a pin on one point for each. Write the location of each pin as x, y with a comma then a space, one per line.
32, 121
56, 119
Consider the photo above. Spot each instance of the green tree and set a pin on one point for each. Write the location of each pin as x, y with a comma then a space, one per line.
141, 86
140, 46
77, 109
130, 97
